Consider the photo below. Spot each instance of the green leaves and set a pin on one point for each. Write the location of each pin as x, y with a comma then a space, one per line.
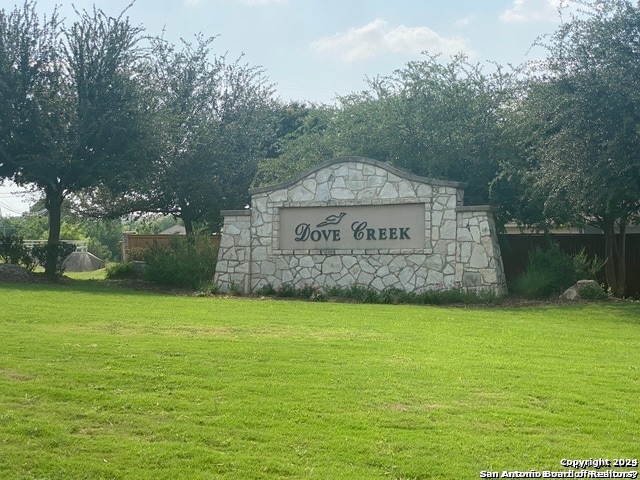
580, 116
212, 121
73, 114
444, 120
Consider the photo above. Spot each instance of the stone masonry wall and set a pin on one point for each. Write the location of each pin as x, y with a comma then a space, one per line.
479, 260
234, 253
460, 249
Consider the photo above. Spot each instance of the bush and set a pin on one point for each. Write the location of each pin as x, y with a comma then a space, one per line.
13, 250
532, 284
121, 270
396, 296
137, 254
288, 290
266, 290
550, 271
95, 247
190, 262
206, 289
56, 251
586, 268
357, 293
593, 292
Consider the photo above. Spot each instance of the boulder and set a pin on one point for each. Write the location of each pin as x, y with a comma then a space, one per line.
573, 293
82, 262
14, 273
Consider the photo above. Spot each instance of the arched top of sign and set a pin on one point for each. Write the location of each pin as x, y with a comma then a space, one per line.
395, 171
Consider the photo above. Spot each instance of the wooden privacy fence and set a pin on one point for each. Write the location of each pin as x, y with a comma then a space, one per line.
515, 252
133, 243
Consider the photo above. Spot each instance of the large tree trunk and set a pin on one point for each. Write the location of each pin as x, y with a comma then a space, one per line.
187, 216
188, 224
53, 204
615, 253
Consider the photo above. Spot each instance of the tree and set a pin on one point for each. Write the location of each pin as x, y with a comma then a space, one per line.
432, 119
582, 115
73, 117
304, 138
446, 120
213, 119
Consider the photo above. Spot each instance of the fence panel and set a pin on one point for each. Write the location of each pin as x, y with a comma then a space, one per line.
516, 248
133, 241
81, 245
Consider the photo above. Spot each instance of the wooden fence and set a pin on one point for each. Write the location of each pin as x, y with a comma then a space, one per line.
133, 243
515, 251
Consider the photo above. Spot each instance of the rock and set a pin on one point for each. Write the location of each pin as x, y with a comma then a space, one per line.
14, 273
574, 292
82, 262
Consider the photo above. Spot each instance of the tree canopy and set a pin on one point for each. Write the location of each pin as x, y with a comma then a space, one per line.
72, 116
580, 119
434, 119
180, 131
213, 121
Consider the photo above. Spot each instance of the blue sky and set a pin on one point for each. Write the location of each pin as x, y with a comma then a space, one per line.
317, 49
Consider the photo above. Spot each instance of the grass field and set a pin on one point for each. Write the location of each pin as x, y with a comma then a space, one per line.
102, 383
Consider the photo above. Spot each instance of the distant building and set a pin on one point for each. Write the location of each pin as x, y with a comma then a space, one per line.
175, 230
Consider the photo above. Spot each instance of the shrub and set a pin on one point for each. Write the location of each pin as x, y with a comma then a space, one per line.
266, 290
208, 288
289, 290
13, 250
532, 284
593, 292
550, 271
286, 290
586, 268
190, 262
56, 251
137, 254
364, 294
311, 292
121, 270
100, 250
396, 296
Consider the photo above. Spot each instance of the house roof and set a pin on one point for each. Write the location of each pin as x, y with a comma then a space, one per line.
175, 230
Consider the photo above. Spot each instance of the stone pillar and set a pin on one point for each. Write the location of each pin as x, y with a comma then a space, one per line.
479, 261
233, 270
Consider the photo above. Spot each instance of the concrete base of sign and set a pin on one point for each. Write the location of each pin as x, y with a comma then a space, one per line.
359, 221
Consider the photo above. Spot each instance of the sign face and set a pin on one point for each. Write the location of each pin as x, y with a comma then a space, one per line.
353, 227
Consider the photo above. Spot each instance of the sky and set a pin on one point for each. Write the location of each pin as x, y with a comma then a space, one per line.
317, 50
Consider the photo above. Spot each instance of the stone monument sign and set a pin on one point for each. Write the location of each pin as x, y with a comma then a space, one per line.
358, 221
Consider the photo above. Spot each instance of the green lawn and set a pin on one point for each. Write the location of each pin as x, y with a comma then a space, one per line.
102, 383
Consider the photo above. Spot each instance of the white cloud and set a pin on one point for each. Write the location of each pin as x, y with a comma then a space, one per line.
524, 11
464, 22
377, 38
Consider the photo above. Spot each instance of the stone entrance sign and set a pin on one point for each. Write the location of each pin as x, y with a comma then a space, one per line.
359, 221
355, 227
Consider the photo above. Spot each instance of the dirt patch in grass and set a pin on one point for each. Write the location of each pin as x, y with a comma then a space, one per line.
15, 376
